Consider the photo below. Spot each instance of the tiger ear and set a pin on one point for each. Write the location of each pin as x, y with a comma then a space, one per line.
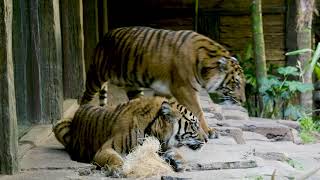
165, 108
234, 59
222, 64
166, 111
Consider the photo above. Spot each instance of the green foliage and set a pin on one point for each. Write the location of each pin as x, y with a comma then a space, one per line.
278, 92
307, 137
248, 64
317, 70
307, 124
297, 52
258, 178
295, 164
314, 65
308, 128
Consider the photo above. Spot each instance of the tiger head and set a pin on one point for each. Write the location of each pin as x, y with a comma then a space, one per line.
189, 131
223, 76
185, 128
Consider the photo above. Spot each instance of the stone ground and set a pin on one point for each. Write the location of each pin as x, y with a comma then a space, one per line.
248, 148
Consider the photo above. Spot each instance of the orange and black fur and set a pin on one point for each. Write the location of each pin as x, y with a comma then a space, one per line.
104, 135
172, 63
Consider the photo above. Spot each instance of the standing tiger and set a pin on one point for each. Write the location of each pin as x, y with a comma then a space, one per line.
105, 134
172, 63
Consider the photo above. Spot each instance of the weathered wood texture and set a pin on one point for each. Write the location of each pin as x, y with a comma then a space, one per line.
8, 118
73, 48
223, 165
90, 29
235, 35
33, 65
227, 22
51, 60
291, 33
20, 36
44, 62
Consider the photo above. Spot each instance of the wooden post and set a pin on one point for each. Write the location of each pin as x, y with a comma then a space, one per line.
8, 118
258, 43
51, 61
33, 65
20, 38
72, 47
90, 29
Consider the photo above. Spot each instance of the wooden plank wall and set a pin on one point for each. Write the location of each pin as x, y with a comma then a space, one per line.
227, 22
42, 70
235, 35
38, 61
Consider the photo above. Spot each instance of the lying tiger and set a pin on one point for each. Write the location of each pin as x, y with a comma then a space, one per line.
172, 63
104, 135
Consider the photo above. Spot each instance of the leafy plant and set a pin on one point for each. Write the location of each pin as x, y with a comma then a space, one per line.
308, 129
295, 164
314, 65
307, 124
278, 92
246, 61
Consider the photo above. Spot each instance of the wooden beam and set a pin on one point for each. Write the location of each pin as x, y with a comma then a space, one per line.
72, 47
51, 85
8, 118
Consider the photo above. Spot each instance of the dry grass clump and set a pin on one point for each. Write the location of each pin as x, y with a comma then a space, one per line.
144, 160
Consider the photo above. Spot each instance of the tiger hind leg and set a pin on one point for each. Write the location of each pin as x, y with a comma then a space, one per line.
110, 160
92, 86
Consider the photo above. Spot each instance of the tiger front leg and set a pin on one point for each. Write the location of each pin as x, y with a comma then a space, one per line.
190, 99
110, 160
172, 157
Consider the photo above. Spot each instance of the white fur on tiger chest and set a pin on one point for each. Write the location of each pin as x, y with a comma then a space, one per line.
162, 88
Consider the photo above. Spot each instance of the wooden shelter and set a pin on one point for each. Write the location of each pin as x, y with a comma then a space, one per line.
46, 46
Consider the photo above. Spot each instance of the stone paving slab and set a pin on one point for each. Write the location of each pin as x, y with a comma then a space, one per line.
49, 155
271, 130
48, 160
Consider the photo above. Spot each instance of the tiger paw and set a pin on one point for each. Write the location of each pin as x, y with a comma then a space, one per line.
213, 133
112, 172
175, 160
